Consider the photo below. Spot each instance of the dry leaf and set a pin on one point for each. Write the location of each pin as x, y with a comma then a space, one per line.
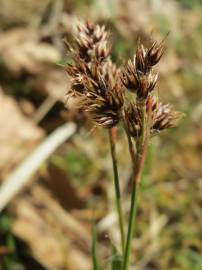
58, 234
21, 50
54, 82
22, 11
30, 226
18, 134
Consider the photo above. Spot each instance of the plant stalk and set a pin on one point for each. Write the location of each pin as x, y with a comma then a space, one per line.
112, 139
130, 145
142, 145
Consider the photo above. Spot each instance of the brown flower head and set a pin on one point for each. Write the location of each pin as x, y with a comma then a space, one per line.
90, 50
95, 79
138, 75
98, 84
145, 59
163, 117
104, 98
140, 83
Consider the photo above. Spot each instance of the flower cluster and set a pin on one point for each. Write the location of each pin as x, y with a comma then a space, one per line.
139, 77
95, 79
99, 85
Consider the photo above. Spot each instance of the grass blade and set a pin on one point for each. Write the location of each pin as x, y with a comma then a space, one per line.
117, 259
94, 248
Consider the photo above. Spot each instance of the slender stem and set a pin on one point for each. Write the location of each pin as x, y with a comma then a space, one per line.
130, 145
112, 133
141, 154
94, 248
130, 225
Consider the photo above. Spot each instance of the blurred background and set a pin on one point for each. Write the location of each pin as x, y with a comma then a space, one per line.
67, 182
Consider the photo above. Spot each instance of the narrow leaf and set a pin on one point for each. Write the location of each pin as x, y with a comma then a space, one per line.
117, 262
94, 248
117, 259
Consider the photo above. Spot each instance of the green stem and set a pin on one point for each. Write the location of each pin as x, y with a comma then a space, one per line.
94, 247
132, 217
112, 132
141, 153
130, 145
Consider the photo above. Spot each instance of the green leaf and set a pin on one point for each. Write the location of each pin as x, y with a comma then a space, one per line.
5, 223
117, 262
94, 248
117, 259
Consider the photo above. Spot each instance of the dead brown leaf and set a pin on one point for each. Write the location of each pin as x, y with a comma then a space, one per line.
54, 82
52, 234
18, 134
21, 50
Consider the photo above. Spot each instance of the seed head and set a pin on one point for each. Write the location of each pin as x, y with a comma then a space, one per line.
163, 117
104, 99
138, 82
98, 84
138, 75
95, 79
